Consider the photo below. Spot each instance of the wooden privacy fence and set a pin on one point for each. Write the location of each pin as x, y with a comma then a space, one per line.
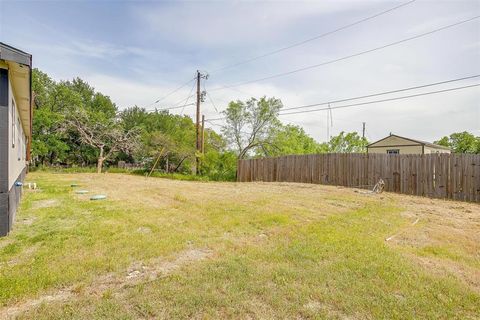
446, 176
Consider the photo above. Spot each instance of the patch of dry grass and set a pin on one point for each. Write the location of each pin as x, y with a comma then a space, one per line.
160, 248
446, 239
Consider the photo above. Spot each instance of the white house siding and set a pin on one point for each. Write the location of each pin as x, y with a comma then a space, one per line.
404, 146
15, 127
4, 194
435, 150
16, 140
402, 149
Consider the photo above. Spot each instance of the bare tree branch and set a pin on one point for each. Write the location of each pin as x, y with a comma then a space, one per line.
107, 136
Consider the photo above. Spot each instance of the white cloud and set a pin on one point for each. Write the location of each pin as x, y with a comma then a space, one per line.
217, 24
126, 93
169, 41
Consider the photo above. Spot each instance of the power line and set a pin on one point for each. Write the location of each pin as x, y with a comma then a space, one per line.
312, 39
170, 93
222, 100
383, 100
190, 95
213, 124
183, 100
346, 57
213, 103
369, 96
176, 105
210, 98
219, 125
383, 93
170, 108
240, 91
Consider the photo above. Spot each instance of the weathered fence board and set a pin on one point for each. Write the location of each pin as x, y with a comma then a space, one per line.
444, 176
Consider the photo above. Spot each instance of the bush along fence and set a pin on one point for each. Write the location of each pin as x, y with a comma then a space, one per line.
445, 176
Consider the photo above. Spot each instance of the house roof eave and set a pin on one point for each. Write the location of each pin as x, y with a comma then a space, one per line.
423, 143
10, 53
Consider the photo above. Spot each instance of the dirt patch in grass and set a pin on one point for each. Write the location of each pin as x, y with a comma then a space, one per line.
442, 267
156, 268
441, 221
446, 239
13, 312
138, 272
27, 221
5, 242
144, 230
23, 256
315, 307
48, 203
143, 272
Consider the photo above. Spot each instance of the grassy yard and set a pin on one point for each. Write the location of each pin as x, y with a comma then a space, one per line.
168, 249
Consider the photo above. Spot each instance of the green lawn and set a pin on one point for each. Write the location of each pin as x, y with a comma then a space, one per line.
159, 248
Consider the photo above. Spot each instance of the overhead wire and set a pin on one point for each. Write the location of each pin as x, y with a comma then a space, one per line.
385, 92
296, 44
183, 100
382, 100
169, 93
210, 98
371, 95
170, 108
329, 108
188, 98
346, 57
176, 105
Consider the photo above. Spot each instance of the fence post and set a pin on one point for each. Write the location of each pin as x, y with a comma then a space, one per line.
446, 176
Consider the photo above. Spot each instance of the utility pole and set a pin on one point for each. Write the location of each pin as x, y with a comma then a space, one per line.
329, 122
203, 134
198, 123
328, 126
200, 97
363, 135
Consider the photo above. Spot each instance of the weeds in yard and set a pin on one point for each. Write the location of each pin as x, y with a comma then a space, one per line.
273, 251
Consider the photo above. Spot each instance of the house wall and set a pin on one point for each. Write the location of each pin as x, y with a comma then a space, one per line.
13, 165
17, 141
4, 216
417, 149
435, 150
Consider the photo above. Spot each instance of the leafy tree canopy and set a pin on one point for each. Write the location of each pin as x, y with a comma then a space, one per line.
290, 139
249, 124
347, 142
461, 142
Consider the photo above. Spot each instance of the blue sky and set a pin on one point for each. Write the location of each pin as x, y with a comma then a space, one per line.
136, 51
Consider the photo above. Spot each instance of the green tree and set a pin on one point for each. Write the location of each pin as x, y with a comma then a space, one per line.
42, 86
347, 143
48, 144
290, 139
53, 103
102, 133
249, 124
161, 132
461, 142
219, 165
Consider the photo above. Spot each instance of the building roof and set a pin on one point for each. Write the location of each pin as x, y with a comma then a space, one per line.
19, 64
10, 53
420, 142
